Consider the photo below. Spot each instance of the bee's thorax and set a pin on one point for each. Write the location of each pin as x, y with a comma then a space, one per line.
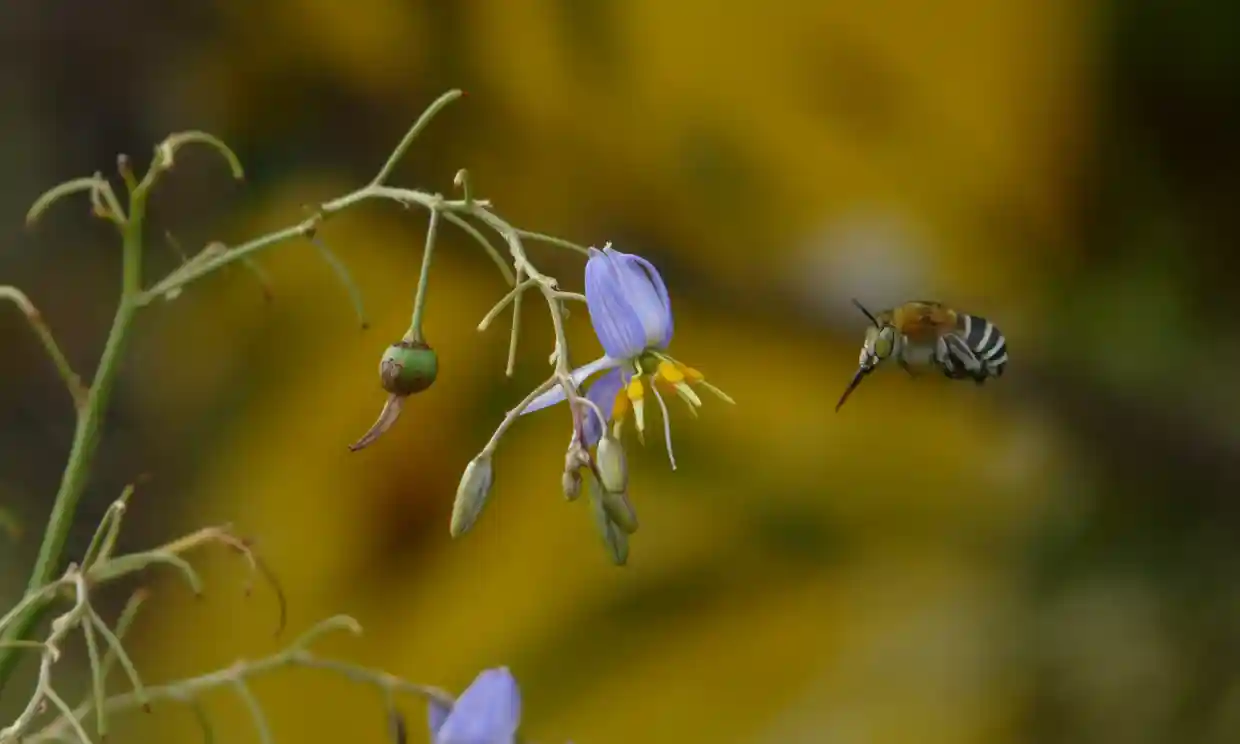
917, 353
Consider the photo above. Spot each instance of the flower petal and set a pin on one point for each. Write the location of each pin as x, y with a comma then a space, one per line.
618, 326
488, 712
603, 394
579, 375
647, 296
436, 714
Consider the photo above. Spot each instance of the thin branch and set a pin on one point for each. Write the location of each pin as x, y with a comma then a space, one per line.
171, 553
114, 643
511, 366
71, 379
481, 240
504, 302
58, 192
100, 668
204, 721
552, 240
104, 539
345, 278
256, 710
97, 678
412, 134
296, 654
64, 710
61, 627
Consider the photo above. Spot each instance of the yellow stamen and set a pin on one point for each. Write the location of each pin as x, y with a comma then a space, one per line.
690, 397
620, 408
691, 374
670, 375
722, 395
669, 372
635, 394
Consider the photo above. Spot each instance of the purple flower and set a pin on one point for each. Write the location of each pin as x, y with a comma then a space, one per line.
629, 307
487, 712
632, 317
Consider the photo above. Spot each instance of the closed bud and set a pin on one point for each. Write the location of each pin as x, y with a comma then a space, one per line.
577, 458
408, 367
615, 539
620, 510
613, 473
471, 495
613, 468
571, 482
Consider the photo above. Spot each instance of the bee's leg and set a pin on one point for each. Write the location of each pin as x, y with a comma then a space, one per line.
951, 371
944, 361
954, 348
904, 365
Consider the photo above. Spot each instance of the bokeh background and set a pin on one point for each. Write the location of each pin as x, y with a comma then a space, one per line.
1052, 558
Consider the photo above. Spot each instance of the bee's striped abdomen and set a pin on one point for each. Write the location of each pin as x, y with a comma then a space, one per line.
987, 342
978, 350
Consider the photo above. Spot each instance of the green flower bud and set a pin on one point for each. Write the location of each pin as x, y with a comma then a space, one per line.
619, 510
471, 495
615, 539
613, 468
613, 473
408, 367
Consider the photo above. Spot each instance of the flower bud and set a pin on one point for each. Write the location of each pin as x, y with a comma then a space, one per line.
571, 483
408, 367
620, 510
577, 458
615, 539
613, 473
613, 468
471, 495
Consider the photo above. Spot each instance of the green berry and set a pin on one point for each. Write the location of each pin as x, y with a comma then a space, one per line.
408, 367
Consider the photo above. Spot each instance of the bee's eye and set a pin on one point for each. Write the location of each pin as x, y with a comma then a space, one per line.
883, 343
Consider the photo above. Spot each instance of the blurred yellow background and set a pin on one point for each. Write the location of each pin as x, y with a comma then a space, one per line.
936, 563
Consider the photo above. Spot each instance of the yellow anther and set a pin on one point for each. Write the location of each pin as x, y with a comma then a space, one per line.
620, 408
635, 393
669, 372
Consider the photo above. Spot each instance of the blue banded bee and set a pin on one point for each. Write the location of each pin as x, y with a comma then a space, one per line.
930, 334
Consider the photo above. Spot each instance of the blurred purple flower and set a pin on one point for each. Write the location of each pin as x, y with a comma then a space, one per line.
632, 317
487, 712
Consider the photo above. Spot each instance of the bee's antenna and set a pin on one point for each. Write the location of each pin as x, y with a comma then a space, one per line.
868, 314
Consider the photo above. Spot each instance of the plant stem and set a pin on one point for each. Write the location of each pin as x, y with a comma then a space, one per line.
86, 435
419, 299
413, 133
